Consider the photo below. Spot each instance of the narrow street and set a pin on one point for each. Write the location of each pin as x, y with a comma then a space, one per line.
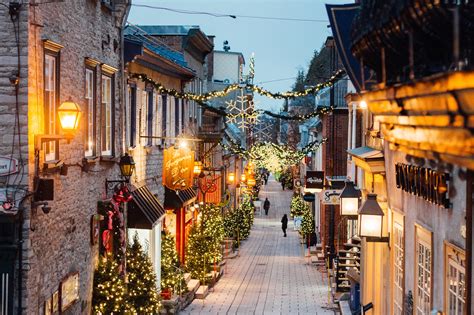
271, 275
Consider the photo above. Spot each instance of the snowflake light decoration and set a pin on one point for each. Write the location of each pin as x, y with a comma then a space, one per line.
242, 112
262, 131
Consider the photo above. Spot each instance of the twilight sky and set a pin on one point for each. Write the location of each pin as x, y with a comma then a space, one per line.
280, 47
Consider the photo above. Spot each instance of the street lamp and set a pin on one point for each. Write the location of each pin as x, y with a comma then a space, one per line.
371, 220
197, 168
349, 200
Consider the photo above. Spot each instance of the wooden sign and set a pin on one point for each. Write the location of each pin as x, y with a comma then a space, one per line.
178, 165
331, 197
314, 180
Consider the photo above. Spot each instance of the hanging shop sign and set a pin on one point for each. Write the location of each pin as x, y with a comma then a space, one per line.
331, 197
178, 166
314, 180
429, 184
8, 166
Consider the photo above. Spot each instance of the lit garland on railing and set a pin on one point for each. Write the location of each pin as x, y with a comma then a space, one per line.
233, 87
272, 156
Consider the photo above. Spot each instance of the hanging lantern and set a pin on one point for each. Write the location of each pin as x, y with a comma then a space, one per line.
243, 177
69, 114
371, 220
349, 200
127, 166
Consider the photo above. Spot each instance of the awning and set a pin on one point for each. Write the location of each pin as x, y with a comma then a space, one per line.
144, 209
369, 159
175, 199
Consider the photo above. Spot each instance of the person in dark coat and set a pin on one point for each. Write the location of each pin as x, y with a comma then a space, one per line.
284, 224
266, 205
282, 184
265, 178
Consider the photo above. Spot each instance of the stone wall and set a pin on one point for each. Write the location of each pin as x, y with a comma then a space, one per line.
58, 243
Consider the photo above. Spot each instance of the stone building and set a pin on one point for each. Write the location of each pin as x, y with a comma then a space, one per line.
412, 145
52, 52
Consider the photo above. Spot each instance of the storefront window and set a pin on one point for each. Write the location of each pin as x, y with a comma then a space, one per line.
423, 272
455, 281
398, 272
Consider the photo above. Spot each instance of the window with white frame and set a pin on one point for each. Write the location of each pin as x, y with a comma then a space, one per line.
90, 108
398, 267
107, 114
149, 117
455, 281
423, 272
143, 117
51, 98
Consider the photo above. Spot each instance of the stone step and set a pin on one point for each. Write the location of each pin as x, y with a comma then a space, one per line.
187, 277
193, 285
202, 292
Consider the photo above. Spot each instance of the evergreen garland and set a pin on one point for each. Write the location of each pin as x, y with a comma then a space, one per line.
142, 293
109, 292
171, 276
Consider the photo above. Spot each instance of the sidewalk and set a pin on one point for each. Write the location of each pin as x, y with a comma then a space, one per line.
270, 276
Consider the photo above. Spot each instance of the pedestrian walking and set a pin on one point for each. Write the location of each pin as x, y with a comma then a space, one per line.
282, 184
265, 177
266, 205
284, 224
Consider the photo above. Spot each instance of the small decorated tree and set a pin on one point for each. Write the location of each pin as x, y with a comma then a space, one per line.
307, 224
142, 292
172, 279
298, 206
204, 243
109, 295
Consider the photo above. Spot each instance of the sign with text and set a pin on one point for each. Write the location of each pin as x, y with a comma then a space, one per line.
331, 197
178, 165
314, 180
8, 166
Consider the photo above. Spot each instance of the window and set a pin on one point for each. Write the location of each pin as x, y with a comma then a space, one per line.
131, 112
164, 115
143, 117
51, 100
423, 272
107, 110
455, 280
149, 121
158, 100
177, 121
90, 112
398, 266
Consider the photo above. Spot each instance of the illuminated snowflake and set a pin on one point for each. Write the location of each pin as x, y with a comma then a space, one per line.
242, 112
262, 131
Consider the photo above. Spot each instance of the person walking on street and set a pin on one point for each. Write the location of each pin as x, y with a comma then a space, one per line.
284, 224
266, 205
282, 184
265, 177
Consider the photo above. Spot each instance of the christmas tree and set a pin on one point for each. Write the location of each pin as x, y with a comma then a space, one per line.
204, 247
109, 290
307, 224
298, 206
171, 277
142, 291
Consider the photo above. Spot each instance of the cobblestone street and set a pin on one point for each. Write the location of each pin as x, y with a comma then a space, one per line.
271, 275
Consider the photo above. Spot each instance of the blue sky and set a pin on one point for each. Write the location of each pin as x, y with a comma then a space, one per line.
280, 47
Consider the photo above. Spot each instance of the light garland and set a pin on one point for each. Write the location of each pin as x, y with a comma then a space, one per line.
271, 156
233, 87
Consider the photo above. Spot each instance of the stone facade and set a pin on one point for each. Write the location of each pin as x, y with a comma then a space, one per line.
57, 244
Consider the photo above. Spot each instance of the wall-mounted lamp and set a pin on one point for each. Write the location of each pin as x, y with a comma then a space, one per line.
127, 166
197, 168
349, 198
231, 178
69, 114
371, 220
243, 177
363, 104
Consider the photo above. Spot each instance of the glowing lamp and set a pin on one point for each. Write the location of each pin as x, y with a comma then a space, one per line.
243, 177
371, 220
251, 182
231, 178
197, 168
127, 166
69, 114
363, 104
349, 198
